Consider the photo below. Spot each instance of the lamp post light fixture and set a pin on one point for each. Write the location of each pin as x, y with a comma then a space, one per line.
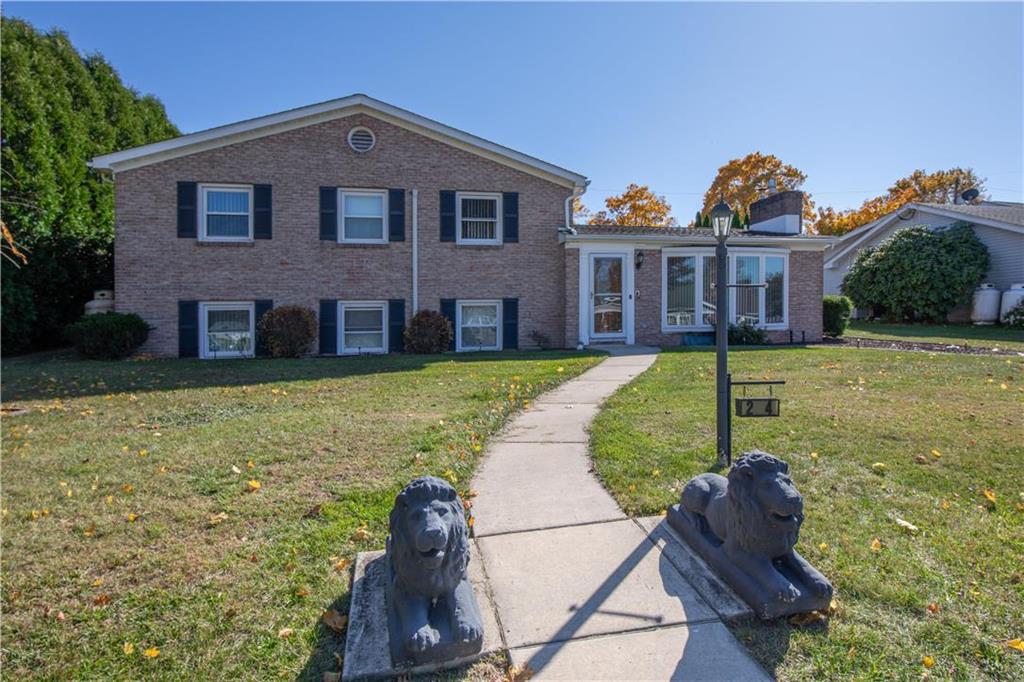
721, 223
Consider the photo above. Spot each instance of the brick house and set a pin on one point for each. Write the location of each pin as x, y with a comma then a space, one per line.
366, 213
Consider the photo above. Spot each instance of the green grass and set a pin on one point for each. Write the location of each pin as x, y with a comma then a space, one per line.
988, 336
210, 572
855, 408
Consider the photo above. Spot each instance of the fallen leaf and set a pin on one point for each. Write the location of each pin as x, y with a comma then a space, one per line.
128, 648
97, 582
946, 504
101, 599
302, 592
254, 485
989, 495
936, 454
519, 673
806, 618
823, 546
132, 518
921, 459
218, 518
285, 632
341, 564
235, 469
927, 661
878, 466
250, 465
127, 488
876, 545
361, 533
933, 608
1016, 643
334, 620
814, 455
151, 652
906, 524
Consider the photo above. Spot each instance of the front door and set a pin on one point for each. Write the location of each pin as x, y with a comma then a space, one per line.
607, 295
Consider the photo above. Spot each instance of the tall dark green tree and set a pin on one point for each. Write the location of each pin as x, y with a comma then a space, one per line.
59, 109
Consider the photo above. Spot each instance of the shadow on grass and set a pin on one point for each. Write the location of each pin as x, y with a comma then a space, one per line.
328, 648
51, 375
768, 641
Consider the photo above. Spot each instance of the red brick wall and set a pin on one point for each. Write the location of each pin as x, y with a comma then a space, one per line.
572, 297
154, 268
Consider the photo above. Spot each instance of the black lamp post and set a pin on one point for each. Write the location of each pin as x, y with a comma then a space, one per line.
721, 222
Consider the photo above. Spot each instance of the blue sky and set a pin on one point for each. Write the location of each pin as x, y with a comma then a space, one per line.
855, 95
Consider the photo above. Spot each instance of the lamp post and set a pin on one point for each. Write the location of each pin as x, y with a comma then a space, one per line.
721, 222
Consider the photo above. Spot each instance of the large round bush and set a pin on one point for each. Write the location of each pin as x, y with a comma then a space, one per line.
918, 275
108, 336
836, 311
288, 331
428, 332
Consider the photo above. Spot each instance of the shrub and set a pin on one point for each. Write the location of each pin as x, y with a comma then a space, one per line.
428, 332
1014, 317
108, 336
836, 311
288, 331
746, 334
918, 274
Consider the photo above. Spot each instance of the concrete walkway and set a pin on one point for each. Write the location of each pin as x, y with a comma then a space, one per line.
581, 590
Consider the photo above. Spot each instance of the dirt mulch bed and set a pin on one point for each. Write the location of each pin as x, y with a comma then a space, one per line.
921, 346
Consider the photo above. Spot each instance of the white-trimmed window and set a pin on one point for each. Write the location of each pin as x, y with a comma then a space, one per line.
689, 296
363, 216
227, 330
225, 213
362, 327
478, 218
477, 325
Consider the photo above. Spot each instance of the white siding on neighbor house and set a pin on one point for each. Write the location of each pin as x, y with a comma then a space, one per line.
1005, 249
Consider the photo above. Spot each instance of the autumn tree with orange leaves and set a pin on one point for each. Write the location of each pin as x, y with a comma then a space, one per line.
741, 182
940, 187
637, 205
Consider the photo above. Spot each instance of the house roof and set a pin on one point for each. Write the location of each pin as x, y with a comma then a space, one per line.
693, 235
1006, 215
262, 126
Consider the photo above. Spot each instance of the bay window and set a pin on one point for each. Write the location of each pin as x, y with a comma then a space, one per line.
362, 327
689, 296
363, 216
478, 218
226, 330
225, 212
478, 325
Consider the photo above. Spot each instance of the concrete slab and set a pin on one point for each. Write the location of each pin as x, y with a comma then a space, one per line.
528, 486
630, 361
719, 596
704, 651
580, 392
551, 423
567, 583
620, 373
367, 655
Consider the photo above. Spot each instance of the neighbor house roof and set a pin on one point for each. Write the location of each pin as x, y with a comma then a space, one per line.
325, 111
1005, 215
643, 233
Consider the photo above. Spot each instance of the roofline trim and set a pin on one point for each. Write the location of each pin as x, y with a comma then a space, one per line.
313, 114
797, 243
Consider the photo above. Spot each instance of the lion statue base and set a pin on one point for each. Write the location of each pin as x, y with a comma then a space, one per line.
432, 611
746, 527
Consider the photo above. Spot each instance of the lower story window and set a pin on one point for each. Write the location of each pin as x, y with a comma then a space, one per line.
478, 325
226, 330
362, 327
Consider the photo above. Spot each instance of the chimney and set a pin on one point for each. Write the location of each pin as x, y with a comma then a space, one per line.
779, 213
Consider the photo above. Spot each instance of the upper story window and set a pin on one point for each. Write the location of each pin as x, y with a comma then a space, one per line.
226, 212
478, 218
363, 216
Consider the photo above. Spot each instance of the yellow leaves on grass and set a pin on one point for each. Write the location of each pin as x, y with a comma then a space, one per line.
989, 495
250, 465
128, 648
101, 599
927, 661
946, 504
361, 534
814, 455
933, 608
132, 518
656, 472
876, 545
97, 582
1016, 643
127, 488
302, 592
936, 454
151, 652
560, 370
451, 477
341, 564
254, 485
217, 518
285, 632
823, 546
878, 467
334, 620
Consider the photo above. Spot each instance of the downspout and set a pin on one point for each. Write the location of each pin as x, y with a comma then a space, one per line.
415, 252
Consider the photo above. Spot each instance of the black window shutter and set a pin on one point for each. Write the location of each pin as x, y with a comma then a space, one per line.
396, 325
328, 326
188, 329
329, 213
510, 219
396, 215
510, 323
188, 214
447, 215
260, 308
262, 215
448, 310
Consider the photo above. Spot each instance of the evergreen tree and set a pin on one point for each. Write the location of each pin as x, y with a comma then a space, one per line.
60, 109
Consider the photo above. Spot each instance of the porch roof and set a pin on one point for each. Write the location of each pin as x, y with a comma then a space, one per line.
666, 236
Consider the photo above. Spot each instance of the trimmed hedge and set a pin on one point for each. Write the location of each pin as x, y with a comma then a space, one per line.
836, 312
108, 336
288, 331
746, 334
428, 332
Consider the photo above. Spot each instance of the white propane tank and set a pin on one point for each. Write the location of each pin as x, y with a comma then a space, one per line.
985, 305
102, 302
1011, 297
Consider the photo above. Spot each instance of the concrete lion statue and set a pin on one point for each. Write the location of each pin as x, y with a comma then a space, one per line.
746, 527
433, 615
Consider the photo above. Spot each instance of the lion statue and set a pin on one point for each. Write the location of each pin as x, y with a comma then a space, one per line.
746, 526
432, 611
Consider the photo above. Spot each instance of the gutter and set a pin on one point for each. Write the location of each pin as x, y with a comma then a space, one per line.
415, 252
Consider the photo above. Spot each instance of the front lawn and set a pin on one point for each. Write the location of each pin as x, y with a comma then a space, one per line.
980, 336
871, 436
181, 519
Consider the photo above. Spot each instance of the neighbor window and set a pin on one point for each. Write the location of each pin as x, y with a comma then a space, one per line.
362, 327
363, 216
689, 294
226, 212
226, 330
479, 218
478, 325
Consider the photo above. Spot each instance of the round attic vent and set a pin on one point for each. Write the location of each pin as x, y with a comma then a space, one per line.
361, 139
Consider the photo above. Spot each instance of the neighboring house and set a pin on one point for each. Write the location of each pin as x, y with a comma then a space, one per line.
366, 213
998, 224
